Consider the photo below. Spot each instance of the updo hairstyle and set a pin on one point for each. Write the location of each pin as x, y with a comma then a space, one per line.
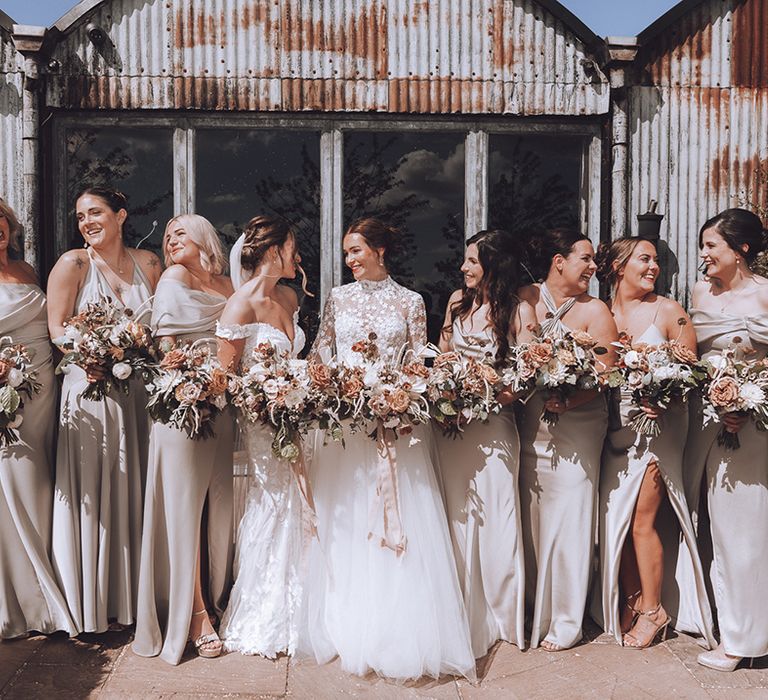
377, 235
611, 258
544, 245
114, 199
261, 233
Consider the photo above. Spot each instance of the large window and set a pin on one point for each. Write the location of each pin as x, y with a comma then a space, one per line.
244, 173
414, 181
136, 161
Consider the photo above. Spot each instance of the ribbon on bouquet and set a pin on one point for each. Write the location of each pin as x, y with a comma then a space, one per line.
393, 536
308, 512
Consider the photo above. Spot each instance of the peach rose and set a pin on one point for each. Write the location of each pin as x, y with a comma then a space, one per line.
724, 392
399, 400
489, 374
683, 354
218, 383
379, 405
320, 375
446, 358
583, 339
175, 359
537, 354
116, 353
5, 368
417, 369
351, 387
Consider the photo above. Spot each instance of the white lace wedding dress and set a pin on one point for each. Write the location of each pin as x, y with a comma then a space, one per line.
399, 615
261, 617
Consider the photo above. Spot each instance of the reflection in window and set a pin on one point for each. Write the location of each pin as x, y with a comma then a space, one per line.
138, 162
416, 182
242, 174
533, 182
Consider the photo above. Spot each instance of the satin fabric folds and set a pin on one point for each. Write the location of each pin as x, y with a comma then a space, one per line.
30, 598
735, 483
101, 466
479, 476
626, 457
185, 476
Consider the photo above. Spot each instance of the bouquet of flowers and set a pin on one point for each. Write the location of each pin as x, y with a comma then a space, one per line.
656, 375
735, 386
460, 391
277, 391
17, 380
189, 390
105, 336
393, 394
561, 366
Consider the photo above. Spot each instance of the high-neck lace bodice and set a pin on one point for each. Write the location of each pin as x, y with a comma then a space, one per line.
396, 316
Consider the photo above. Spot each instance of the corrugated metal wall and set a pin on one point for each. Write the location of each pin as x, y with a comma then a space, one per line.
699, 122
11, 86
397, 56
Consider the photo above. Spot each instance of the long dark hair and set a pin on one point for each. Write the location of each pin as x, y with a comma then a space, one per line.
738, 227
498, 255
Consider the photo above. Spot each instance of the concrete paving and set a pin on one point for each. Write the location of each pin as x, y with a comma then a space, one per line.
103, 666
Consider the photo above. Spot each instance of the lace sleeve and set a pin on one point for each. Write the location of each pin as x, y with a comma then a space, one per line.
231, 332
417, 323
324, 347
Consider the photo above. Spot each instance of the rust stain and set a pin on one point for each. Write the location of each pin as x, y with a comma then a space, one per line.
256, 14
718, 173
419, 14
749, 65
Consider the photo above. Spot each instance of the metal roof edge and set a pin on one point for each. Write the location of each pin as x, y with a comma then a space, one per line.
581, 30
65, 22
6, 22
669, 17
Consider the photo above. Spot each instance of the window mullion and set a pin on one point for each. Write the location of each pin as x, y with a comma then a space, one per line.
475, 182
331, 209
184, 170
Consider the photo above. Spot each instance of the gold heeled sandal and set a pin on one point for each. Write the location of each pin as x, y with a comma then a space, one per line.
209, 646
646, 629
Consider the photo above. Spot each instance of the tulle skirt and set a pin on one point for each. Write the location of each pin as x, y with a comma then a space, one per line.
399, 615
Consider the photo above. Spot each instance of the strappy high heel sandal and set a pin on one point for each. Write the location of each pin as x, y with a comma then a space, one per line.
646, 629
209, 646
627, 605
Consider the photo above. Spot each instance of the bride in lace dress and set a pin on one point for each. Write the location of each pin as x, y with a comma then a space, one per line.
261, 616
381, 598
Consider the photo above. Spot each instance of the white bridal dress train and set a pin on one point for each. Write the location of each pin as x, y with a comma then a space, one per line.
262, 615
381, 598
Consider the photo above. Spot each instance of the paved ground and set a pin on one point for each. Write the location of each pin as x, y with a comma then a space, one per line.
103, 666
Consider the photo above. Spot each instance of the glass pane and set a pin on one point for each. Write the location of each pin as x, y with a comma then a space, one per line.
139, 163
533, 182
416, 182
242, 174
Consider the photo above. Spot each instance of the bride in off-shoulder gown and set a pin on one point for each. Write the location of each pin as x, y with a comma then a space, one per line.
262, 614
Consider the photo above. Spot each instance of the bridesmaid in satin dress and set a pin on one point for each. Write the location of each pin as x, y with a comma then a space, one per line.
560, 464
30, 598
730, 308
647, 542
479, 469
186, 475
101, 456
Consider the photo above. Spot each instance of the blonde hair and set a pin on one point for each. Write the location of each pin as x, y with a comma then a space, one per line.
612, 258
202, 232
13, 224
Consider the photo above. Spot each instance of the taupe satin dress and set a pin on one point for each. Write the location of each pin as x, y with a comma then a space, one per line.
101, 466
626, 457
30, 598
479, 473
737, 497
559, 472
184, 476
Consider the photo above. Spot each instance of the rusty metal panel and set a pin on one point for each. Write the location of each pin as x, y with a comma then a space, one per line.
11, 87
694, 50
750, 44
696, 151
399, 56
